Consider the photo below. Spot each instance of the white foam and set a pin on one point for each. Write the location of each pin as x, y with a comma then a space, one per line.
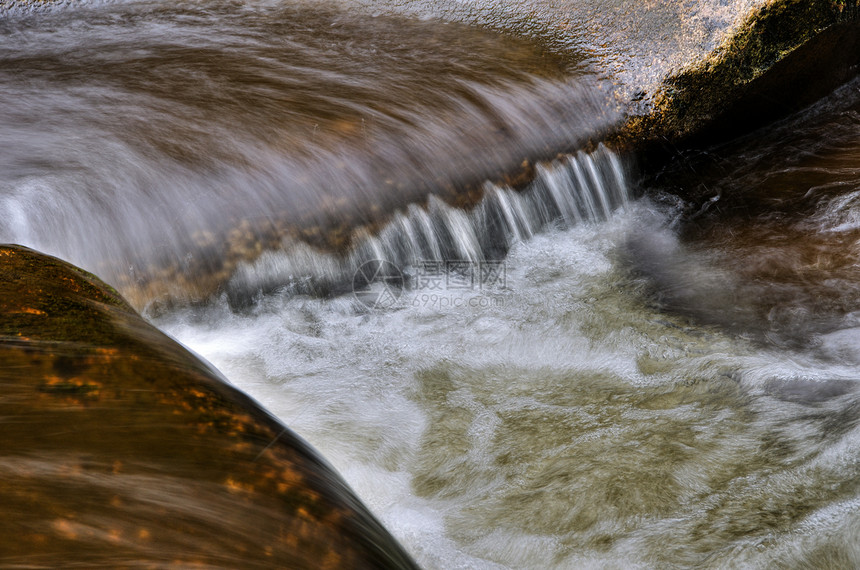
373, 391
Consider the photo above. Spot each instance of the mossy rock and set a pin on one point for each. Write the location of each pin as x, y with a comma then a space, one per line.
787, 54
120, 448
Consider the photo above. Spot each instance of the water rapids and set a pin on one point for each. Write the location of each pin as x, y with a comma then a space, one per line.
590, 370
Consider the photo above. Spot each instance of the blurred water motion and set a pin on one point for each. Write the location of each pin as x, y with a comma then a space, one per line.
767, 244
155, 142
668, 381
674, 386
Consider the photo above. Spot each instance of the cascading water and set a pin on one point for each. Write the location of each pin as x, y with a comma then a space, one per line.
562, 376
603, 405
148, 142
577, 188
671, 386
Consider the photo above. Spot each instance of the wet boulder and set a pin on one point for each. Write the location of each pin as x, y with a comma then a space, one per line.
680, 68
684, 68
783, 56
120, 448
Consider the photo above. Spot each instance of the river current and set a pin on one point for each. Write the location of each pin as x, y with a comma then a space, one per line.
599, 369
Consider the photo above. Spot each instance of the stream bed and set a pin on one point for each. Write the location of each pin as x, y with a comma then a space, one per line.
601, 369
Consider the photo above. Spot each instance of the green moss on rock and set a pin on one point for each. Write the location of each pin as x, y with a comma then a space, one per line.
787, 54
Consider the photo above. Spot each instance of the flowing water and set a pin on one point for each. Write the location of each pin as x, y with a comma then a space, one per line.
152, 140
591, 371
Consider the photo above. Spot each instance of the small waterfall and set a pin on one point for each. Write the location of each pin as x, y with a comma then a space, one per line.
585, 187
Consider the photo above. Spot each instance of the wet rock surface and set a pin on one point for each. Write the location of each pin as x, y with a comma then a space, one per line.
784, 56
686, 68
122, 449
677, 66
766, 243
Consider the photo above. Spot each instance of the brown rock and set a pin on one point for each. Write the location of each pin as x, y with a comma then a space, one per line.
120, 448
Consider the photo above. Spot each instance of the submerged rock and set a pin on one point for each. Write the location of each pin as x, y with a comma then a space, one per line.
680, 67
684, 73
371, 107
120, 448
